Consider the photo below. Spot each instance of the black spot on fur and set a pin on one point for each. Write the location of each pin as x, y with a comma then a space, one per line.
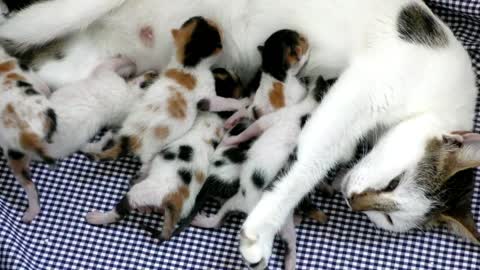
255, 113
215, 144
31, 92
123, 208
274, 57
254, 84
321, 88
203, 105
15, 155
304, 119
258, 178
167, 155
26, 174
24, 67
416, 25
235, 155
24, 84
14, 5
185, 175
219, 163
244, 193
108, 145
239, 128
124, 145
292, 158
185, 153
204, 41
52, 117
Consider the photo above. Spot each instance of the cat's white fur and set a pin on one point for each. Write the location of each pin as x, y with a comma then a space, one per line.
416, 91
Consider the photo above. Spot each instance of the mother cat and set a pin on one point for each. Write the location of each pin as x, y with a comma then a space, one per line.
400, 68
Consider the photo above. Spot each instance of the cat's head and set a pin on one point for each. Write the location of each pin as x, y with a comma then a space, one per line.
436, 190
198, 39
227, 84
284, 51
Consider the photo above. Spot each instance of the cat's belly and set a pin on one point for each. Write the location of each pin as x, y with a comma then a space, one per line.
141, 30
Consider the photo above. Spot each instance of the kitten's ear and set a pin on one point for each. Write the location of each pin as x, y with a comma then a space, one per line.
260, 48
462, 224
467, 148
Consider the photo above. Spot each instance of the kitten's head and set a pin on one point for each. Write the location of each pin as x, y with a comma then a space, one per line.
436, 190
198, 40
284, 51
227, 84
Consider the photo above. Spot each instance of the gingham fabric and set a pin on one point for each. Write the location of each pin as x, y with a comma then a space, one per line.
61, 239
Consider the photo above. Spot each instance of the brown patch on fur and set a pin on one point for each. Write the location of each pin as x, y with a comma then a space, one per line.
177, 105
110, 154
182, 78
7, 66
294, 56
32, 142
15, 77
173, 209
277, 96
135, 143
182, 37
162, 132
219, 132
200, 176
371, 201
11, 119
318, 215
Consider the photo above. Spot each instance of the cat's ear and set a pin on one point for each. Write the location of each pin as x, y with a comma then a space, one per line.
175, 34
260, 48
466, 146
462, 223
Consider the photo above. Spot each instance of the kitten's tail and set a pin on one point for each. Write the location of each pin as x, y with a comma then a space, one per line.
48, 20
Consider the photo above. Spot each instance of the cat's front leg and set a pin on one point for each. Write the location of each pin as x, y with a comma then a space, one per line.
401, 147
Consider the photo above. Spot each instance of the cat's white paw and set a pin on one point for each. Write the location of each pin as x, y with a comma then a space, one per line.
205, 222
31, 213
255, 248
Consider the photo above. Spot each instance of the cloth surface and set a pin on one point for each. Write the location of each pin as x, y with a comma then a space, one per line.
61, 239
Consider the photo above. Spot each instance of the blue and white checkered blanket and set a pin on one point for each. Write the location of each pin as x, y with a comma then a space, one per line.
61, 239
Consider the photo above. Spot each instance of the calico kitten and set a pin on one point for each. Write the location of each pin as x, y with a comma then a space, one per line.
176, 174
275, 86
27, 123
169, 108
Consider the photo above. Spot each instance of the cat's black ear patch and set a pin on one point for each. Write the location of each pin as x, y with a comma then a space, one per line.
205, 41
185, 153
416, 25
258, 178
185, 175
168, 155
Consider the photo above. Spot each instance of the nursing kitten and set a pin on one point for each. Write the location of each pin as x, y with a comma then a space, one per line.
169, 108
178, 172
266, 160
284, 54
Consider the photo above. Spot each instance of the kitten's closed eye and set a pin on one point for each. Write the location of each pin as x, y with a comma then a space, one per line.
393, 185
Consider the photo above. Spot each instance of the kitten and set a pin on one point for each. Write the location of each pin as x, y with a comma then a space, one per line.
178, 172
266, 158
102, 100
275, 86
168, 110
27, 123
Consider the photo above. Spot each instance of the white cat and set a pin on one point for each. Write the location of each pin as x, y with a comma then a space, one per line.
400, 66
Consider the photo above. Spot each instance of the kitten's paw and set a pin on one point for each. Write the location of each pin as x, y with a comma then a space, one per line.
31, 213
205, 222
230, 141
99, 218
255, 249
